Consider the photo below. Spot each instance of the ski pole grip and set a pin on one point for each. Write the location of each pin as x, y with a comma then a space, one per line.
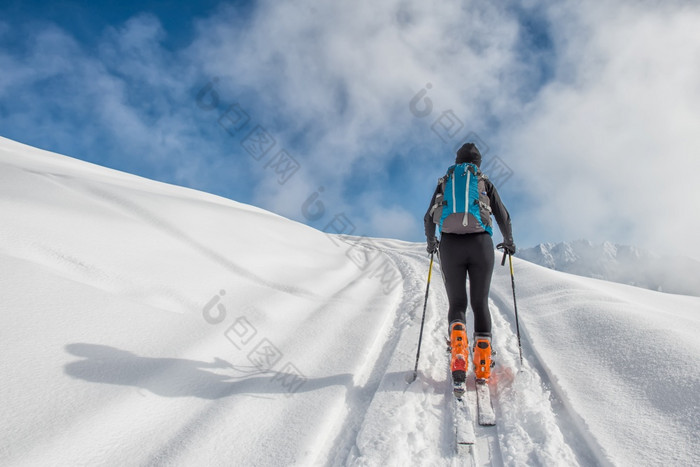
503, 261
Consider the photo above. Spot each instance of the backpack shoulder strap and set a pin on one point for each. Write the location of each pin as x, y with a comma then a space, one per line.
443, 180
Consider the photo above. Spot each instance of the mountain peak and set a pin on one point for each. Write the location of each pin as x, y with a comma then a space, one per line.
618, 263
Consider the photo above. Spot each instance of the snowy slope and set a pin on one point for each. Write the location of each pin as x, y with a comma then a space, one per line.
622, 363
147, 324
619, 263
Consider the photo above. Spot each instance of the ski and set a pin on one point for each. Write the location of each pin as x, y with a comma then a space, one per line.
463, 421
487, 416
464, 427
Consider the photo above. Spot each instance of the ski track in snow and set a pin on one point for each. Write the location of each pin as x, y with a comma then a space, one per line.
527, 431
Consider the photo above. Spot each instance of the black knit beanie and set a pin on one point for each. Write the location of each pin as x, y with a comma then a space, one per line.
468, 153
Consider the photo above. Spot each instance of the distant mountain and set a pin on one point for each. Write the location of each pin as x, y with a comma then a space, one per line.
619, 263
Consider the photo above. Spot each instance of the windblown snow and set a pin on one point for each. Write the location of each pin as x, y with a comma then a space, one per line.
148, 324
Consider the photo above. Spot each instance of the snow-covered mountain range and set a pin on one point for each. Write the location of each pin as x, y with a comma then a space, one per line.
619, 263
142, 324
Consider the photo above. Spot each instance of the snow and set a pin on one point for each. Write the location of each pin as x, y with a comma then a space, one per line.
148, 324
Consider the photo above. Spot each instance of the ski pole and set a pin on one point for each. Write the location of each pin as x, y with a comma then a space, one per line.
422, 321
515, 304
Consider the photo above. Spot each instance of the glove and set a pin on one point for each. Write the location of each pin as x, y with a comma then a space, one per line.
433, 245
507, 246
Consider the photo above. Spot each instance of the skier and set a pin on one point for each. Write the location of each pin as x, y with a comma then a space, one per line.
461, 207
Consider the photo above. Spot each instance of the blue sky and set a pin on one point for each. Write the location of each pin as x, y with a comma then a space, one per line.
321, 110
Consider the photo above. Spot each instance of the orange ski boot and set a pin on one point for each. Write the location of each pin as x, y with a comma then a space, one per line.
460, 352
482, 357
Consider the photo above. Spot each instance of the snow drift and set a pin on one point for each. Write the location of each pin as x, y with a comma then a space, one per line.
148, 324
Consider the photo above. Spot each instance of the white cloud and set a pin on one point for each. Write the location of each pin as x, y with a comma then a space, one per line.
341, 75
609, 150
351, 68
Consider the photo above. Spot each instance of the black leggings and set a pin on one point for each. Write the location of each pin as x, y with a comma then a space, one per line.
462, 255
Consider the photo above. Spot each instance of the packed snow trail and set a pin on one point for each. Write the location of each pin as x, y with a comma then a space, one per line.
147, 324
409, 430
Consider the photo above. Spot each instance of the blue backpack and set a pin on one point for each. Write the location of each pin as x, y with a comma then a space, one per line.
462, 205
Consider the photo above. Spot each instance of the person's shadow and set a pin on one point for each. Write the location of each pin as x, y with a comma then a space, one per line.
178, 377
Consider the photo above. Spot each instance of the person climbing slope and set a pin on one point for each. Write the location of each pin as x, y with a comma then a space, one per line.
461, 208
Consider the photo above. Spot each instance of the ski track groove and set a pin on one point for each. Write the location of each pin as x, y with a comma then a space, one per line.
438, 307
569, 422
490, 448
359, 399
439, 333
413, 268
561, 449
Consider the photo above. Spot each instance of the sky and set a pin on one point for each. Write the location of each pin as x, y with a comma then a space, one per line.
343, 115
